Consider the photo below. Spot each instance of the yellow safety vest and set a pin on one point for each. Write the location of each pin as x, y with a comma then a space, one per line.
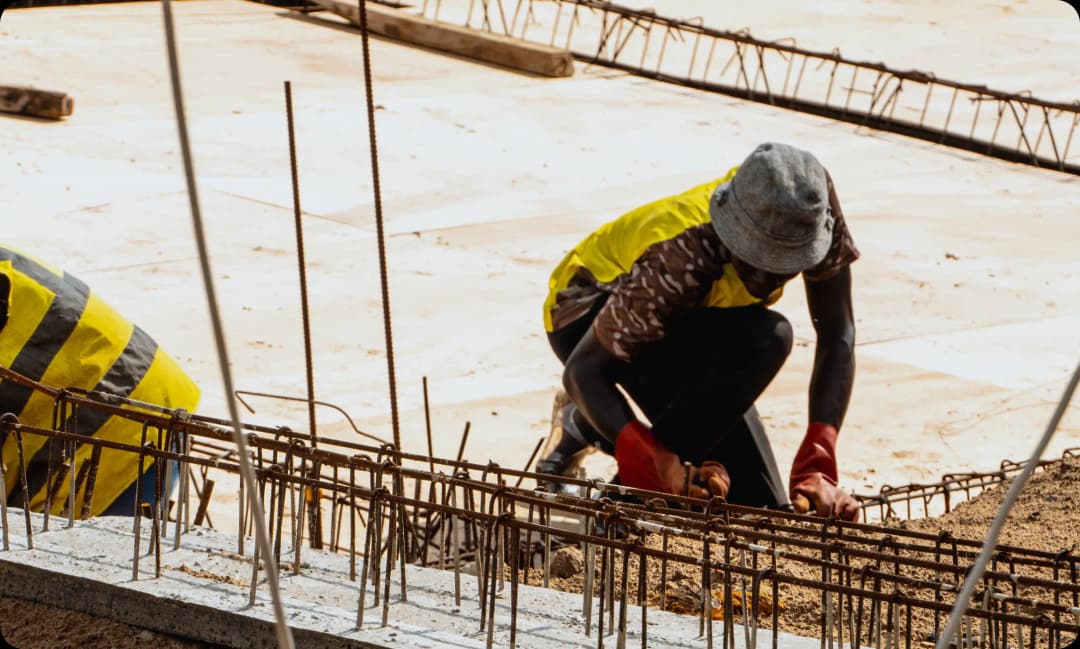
613, 248
60, 333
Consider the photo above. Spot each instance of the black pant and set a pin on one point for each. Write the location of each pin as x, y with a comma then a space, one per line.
698, 387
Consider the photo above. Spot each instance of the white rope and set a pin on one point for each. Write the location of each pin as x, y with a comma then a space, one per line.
284, 634
976, 573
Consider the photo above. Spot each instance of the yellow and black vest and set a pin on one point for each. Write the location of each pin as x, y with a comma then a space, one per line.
60, 333
612, 249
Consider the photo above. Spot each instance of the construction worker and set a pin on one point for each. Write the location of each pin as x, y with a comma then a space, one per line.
56, 331
669, 302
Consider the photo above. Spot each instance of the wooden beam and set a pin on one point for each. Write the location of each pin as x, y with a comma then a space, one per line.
482, 46
35, 103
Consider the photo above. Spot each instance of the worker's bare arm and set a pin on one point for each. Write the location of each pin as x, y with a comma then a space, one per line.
590, 379
830, 306
813, 484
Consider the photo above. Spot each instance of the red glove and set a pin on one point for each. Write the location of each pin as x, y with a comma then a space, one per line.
813, 476
644, 463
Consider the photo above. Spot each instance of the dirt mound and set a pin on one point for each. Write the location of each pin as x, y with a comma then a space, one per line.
1044, 518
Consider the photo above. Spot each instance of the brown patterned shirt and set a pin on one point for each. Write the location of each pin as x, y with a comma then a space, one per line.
685, 266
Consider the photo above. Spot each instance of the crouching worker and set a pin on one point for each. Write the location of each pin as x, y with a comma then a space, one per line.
56, 331
669, 302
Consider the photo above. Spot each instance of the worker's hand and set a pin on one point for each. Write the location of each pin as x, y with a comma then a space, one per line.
644, 463
813, 477
714, 478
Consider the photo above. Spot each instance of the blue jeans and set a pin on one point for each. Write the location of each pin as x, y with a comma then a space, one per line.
124, 505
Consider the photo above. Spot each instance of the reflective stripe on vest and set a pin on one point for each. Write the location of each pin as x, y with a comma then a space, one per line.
61, 334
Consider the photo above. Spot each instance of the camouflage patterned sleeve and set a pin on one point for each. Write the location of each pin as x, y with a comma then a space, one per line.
842, 252
670, 277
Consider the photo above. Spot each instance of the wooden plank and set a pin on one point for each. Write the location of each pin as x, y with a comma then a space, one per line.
34, 102
482, 46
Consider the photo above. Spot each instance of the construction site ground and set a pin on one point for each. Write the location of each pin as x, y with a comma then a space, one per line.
965, 295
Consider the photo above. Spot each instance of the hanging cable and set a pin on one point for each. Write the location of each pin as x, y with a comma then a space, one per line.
977, 570
284, 634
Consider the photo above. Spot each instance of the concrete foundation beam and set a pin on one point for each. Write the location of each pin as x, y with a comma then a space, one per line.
202, 594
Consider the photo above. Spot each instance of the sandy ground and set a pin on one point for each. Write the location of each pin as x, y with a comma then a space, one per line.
966, 298
27, 625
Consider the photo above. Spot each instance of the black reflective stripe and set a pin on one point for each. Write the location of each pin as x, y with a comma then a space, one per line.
5, 298
31, 269
45, 343
126, 372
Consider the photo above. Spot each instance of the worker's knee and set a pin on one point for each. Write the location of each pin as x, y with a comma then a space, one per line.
766, 339
778, 338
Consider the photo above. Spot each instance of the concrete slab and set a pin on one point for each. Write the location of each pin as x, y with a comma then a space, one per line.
965, 295
203, 594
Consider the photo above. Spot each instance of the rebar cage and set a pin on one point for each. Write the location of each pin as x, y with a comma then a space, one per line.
863, 583
1011, 125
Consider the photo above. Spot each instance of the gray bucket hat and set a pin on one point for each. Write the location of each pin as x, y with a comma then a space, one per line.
774, 214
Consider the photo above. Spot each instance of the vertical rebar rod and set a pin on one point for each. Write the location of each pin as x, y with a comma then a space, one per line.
604, 569
91, 480
515, 561
299, 514
157, 523
335, 521
163, 466
365, 568
464, 441
48, 446
402, 521
663, 569
182, 491
457, 547
309, 371
643, 564
427, 427
491, 592
279, 521
545, 520
705, 599
3, 509
73, 484
620, 643
137, 514
352, 519
315, 505
254, 585
391, 539
587, 590
528, 543
241, 514
380, 232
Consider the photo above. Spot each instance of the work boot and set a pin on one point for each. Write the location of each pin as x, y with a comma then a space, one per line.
566, 444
